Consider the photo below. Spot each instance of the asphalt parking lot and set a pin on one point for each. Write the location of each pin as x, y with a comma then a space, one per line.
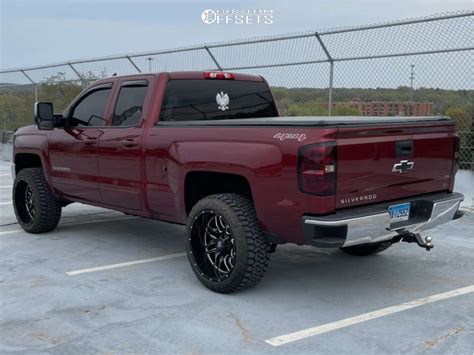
104, 282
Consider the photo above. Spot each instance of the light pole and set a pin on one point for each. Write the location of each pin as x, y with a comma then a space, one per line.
412, 77
149, 63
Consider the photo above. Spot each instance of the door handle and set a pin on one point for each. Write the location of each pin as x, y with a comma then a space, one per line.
90, 140
130, 142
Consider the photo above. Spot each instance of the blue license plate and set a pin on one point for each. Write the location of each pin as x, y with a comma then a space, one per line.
399, 212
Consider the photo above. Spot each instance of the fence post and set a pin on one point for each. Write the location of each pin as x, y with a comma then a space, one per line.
133, 63
78, 75
331, 76
331, 71
212, 57
33, 82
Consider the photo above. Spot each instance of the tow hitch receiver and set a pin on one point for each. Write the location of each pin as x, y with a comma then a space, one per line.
418, 239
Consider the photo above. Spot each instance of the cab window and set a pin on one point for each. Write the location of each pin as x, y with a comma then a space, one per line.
90, 110
129, 106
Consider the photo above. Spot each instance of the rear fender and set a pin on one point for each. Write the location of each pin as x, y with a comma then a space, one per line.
253, 161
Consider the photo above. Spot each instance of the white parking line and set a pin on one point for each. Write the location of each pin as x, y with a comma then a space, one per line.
325, 328
6, 203
10, 232
128, 263
6, 187
75, 223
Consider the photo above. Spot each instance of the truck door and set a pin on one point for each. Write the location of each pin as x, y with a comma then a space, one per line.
73, 149
120, 146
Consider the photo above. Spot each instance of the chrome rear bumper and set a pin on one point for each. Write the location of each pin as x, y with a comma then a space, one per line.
371, 224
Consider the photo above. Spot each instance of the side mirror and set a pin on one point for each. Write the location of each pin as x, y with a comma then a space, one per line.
44, 115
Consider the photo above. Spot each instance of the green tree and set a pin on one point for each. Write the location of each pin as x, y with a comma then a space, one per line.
60, 91
345, 110
15, 111
309, 108
464, 127
461, 118
16, 102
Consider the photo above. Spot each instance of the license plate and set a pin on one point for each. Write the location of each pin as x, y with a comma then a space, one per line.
399, 212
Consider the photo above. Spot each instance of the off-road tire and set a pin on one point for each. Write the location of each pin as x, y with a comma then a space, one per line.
366, 249
47, 209
251, 249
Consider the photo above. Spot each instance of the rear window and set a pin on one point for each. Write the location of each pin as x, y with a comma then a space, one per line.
128, 109
192, 100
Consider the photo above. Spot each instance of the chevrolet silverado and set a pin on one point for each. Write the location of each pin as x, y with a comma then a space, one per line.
209, 150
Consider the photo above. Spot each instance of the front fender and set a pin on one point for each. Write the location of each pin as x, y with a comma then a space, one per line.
31, 140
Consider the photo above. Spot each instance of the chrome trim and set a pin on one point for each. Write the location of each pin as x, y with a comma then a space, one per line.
376, 228
442, 212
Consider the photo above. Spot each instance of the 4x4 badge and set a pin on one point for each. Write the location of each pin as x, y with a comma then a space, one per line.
403, 166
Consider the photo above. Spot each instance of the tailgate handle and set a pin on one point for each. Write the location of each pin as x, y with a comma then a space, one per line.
403, 148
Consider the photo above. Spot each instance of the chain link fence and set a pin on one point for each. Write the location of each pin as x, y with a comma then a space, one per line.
414, 67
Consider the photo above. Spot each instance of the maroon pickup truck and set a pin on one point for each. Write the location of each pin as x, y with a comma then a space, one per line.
208, 150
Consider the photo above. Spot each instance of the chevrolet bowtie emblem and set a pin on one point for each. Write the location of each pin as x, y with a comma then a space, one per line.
403, 166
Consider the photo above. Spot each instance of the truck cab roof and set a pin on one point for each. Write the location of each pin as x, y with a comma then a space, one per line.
192, 75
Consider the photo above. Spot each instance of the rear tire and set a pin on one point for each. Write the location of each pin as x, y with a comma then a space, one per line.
366, 249
36, 208
225, 245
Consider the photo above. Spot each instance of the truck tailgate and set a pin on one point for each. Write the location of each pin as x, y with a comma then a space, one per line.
383, 162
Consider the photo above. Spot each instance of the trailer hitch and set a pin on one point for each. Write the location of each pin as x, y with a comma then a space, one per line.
409, 237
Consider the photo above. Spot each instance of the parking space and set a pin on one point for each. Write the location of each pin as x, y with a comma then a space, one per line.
107, 282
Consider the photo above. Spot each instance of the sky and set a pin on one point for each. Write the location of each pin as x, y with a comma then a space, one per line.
36, 32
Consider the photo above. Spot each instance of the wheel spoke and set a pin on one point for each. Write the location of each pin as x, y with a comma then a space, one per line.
223, 225
29, 202
221, 259
215, 266
213, 250
208, 231
225, 263
210, 244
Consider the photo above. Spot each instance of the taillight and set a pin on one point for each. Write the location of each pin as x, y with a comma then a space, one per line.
317, 169
218, 75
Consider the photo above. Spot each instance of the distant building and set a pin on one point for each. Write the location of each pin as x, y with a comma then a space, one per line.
386, 108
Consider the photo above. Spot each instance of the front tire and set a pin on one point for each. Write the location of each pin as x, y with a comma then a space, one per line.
225, 245
36, 208
367, 249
